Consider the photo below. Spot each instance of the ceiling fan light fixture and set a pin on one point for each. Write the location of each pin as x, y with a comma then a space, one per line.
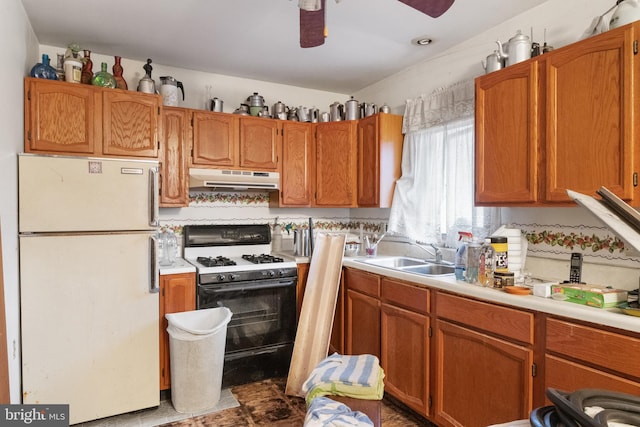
310, 5
422, 41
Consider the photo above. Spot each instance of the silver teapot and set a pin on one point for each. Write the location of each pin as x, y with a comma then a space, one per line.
519, 49
351, 110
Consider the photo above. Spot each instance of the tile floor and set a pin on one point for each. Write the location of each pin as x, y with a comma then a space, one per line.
264, 403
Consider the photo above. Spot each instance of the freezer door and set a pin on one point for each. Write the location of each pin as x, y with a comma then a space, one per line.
89, 323
58, 193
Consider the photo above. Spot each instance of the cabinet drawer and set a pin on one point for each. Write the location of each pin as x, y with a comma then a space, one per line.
363, 282
508, 322
607, 349
404, 295
566, 375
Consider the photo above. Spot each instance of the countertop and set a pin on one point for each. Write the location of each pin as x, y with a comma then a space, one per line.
180, 265
608, 317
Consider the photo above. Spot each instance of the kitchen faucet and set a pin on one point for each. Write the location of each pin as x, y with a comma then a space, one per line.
437, 253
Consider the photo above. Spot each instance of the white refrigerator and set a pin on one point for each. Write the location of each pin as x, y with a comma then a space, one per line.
88, 284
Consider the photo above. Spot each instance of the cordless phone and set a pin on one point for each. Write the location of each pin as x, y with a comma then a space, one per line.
575, 271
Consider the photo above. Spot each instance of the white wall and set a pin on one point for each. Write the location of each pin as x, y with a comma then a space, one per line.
20, 48
232, 90
565, 21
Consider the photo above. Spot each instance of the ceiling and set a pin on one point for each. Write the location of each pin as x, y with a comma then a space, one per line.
367, 41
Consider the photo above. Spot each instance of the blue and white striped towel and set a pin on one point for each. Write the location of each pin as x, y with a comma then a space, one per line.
354, 376
325, 412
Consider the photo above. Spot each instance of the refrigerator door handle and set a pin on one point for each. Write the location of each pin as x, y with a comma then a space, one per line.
154, 286
153, 197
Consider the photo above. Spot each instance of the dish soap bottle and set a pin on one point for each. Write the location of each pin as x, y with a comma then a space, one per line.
464, 237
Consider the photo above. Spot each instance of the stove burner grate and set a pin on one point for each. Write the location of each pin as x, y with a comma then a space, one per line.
215, 262
262, 259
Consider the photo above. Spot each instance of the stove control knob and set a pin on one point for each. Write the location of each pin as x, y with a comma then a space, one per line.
233, 276
221, 277
281, 273
272, 273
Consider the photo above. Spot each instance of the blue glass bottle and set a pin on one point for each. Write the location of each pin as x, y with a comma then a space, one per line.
43, 70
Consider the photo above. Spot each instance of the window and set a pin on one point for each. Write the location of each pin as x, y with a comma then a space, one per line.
434, 196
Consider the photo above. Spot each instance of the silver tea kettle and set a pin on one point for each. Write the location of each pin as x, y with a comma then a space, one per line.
626, 12
493, 63
519, 49
169, 91
147, 84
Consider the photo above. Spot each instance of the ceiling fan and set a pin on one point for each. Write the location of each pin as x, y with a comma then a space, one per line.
312, 12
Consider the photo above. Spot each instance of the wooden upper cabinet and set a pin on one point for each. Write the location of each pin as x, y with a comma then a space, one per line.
590, 127
507, 135
296, 182
130, 122
379, 159
174, 189
336, 164
214, 139
77, 119
59, 117
259, 143
562, 120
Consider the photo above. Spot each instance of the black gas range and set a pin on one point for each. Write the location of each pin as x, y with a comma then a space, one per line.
235, 269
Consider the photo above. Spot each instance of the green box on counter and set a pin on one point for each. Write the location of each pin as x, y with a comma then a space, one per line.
591, 295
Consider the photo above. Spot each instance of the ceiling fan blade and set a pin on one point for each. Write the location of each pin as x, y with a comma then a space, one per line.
312, 27
433, 8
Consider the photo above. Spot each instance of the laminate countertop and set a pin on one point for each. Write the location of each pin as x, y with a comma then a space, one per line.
610, 317
180, 265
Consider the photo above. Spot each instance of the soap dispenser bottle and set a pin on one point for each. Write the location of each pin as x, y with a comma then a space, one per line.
464, 238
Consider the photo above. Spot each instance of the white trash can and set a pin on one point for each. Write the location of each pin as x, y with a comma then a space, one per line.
196, 348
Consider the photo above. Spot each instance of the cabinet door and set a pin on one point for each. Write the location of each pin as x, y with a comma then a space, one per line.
507, 137
480, 380
130, 123
214, 139
297, 164
336, 344
405, 356
60, 118
590, 111
379, 159
336, 152
362, 324
177, 294
174, 190
362, 312
259, 143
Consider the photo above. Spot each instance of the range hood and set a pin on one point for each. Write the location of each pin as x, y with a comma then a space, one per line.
232, 179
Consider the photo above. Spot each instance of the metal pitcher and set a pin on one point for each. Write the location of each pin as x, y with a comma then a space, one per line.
351, 110
169, 91
301, 246
216, 105
336, 112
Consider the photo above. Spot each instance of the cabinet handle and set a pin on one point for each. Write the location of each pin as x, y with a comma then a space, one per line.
635, 47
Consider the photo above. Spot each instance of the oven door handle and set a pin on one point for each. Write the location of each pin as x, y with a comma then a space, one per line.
245, 287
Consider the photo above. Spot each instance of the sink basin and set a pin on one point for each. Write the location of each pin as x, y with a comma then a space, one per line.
395, 262
430, 269
411, 265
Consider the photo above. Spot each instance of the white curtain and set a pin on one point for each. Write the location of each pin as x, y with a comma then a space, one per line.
433, 199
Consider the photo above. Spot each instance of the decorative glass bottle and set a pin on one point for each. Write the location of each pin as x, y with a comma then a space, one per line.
104, 78
87, 68
43, 70
121, 83
60, 67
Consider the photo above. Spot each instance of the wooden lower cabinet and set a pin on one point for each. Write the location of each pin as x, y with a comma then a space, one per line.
303, 273
580, 356
336, 344
362, 312
177, 294
483, 362
480, 379
405, 343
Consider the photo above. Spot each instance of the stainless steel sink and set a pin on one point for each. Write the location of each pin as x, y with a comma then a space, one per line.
394, 262
412, 265
430, 269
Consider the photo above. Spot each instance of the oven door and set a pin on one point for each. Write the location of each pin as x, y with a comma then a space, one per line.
264, 311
